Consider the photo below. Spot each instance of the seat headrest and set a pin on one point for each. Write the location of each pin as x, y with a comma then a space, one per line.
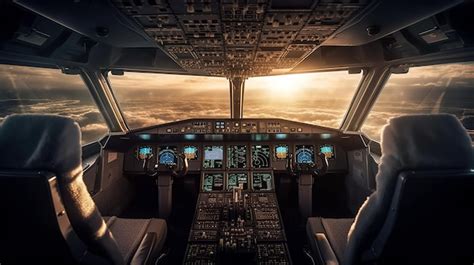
427, 142
40, 142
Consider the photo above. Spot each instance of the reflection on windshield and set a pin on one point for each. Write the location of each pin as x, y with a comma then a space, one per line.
150, 99
425, 90
316, 98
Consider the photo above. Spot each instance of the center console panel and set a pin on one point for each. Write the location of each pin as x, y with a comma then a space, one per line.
242, 226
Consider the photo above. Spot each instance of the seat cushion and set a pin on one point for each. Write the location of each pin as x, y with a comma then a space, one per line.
129, 234
335, 230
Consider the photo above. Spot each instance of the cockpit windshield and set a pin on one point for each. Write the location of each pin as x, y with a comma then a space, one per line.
149, 99
317, 98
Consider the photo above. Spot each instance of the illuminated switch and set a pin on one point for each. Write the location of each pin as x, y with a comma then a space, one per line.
168, 130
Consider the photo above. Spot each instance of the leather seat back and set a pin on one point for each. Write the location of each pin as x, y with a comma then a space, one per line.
425, 160
32, 229
431, 227
49, 143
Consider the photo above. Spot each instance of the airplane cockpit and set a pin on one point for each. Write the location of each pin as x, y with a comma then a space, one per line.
259, 132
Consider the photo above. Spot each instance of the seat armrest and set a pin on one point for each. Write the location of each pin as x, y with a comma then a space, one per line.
144, 249
328, 255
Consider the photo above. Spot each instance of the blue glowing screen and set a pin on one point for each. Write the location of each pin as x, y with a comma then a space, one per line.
144, 152
281, 152
167, 155
191, 152
327, 150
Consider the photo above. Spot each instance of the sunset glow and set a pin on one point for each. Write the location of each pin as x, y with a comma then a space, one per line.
316, 98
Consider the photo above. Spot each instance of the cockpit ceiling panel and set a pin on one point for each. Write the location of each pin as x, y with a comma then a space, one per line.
240, 38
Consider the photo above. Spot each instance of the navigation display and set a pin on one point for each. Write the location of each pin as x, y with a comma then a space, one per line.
304, 154
262, 181
213, 156
327, 150
260, 156
213, 182
237, 156
144, 152
190, 152
281, 152
235, 179
167, 155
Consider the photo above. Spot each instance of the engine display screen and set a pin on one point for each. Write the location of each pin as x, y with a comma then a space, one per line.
190, 152
213, 182
167, 155
144, 152
328, 151
260, 156
237, 156
304, 154
213, 156
235, 179
281, 152
262, 181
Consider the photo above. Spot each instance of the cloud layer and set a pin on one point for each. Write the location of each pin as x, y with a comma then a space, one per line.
321, 99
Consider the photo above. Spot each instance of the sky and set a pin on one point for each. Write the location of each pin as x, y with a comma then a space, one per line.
316, 98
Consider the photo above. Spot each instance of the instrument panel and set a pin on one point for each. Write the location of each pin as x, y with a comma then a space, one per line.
304, 154
168, 155
237, 156
226, 181
242, 156
213, 157
241, 126
261, 156
237, 145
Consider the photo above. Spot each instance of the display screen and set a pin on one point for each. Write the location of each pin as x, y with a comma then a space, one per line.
262, 181
167, 155
235, 179
237, 156
260, 156
144, 152
190, 152
327, 150
213, 156
281, 152
304, 154
213, 182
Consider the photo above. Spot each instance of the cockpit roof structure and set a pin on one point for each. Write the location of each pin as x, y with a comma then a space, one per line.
233, 38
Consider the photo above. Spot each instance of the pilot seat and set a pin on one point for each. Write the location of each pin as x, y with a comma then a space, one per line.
48, 215
422, 209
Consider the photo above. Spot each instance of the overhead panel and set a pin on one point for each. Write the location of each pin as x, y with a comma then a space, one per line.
239, 38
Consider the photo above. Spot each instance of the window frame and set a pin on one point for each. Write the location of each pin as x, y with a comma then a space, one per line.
68, 70
394, 68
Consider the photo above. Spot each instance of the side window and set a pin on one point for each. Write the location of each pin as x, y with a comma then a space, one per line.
446, 88
48, 91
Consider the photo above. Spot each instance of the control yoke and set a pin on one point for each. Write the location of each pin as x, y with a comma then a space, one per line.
318, 168
176, 169
164, 181
305, 173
